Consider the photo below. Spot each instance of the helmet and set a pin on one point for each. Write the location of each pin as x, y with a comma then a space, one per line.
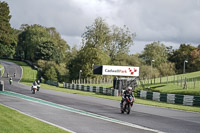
129, 88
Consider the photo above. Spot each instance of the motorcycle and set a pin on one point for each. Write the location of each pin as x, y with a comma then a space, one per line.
34, 88
38, 87
127, 104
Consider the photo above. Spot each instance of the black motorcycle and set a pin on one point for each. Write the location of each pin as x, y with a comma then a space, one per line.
127, 104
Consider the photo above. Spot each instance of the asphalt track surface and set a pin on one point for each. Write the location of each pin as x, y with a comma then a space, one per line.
85, 114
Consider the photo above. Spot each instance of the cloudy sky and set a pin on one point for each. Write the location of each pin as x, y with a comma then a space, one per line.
171, 22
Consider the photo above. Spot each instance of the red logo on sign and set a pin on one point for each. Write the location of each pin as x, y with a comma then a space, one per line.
132, 71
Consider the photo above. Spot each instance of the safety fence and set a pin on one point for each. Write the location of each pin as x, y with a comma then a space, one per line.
170, 98
54, 83
96, 89
181, 80
99, 80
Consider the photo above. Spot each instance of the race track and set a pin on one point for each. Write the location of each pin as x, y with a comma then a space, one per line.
85, 114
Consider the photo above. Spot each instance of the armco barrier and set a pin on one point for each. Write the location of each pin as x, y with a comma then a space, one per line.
156, 96
196, 101
170, 98
179, 99
188, 100
55, 83
150, 95
163, 97
101, 90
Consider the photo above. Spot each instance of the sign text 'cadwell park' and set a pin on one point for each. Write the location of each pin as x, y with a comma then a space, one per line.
120, 70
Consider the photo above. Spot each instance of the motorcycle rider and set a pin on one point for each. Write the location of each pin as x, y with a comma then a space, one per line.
38, 85
34, 84
10, 80
126, 93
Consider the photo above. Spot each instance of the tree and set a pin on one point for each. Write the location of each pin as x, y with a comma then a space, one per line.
7, 34
37, 42
30, 37
167, 69
195, 59
154, 51
145, 71
180, 55
121, 41
45, 51
85, 59
50, 74
97, 35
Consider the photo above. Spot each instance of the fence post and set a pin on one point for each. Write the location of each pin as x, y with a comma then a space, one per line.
160, 80
177, 81
167, 79
181, 82
174, 79
185, 83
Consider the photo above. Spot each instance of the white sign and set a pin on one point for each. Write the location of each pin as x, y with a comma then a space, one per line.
120, 70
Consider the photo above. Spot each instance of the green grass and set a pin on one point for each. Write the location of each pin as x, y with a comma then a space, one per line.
12, 121
175, 84
2, 70
172, 88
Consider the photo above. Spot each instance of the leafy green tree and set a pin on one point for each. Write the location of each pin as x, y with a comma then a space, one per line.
154, 51
37, 42
102, 45
7, 34
195, 59
167, 69
85, 59
45, 51
50, 74
97, 35
121, 41
145, 72
180, 55
30, 37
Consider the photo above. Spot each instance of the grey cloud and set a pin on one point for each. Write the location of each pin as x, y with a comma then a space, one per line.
170, 20
175, 21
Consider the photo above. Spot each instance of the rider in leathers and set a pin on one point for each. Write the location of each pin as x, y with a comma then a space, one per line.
127, 92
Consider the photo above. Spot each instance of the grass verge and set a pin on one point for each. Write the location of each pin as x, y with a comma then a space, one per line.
1, 70
12, 121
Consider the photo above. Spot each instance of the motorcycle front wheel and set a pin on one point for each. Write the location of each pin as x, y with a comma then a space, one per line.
128, 109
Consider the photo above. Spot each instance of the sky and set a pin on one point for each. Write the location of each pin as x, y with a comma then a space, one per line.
172, 22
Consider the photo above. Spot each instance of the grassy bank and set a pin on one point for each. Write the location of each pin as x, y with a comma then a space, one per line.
12, 121
1, 69
185, 84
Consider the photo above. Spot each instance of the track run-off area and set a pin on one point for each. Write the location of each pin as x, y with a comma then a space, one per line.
86, 114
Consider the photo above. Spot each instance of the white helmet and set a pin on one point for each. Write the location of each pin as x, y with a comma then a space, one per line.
130, 88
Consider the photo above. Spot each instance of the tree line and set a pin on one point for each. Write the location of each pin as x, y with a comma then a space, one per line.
102, 44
